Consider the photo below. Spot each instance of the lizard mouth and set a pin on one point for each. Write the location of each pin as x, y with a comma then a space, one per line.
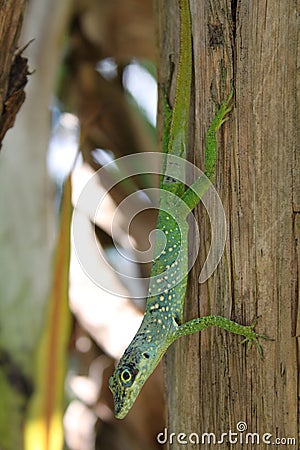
119, 412
123, 399
121, 408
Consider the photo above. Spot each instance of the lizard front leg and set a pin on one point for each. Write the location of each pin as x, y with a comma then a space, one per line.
202, 323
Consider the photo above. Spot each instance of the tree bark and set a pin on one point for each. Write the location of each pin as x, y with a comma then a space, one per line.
14, 68
212, 382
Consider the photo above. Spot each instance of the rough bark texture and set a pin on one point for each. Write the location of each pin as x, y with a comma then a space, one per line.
212, 382
14, 68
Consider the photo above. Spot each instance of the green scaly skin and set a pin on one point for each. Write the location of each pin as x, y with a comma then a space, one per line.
162, 322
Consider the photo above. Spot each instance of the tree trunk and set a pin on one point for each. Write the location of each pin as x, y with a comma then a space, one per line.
213, 383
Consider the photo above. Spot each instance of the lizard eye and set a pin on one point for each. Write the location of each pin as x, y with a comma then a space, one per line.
126, 376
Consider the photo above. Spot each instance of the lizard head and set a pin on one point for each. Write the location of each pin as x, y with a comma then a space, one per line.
134, 368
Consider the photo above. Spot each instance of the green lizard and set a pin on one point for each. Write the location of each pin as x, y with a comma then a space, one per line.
162, 322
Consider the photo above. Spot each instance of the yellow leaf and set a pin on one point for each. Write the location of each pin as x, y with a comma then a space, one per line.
43, 425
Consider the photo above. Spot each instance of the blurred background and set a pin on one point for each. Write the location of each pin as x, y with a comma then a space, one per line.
91, 98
